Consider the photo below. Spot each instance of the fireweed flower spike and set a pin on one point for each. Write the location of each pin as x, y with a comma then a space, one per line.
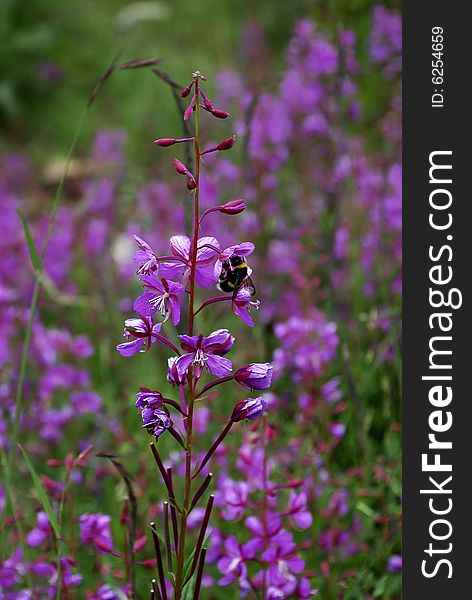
169, 282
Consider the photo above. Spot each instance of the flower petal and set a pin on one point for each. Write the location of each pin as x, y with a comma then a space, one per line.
171, 270
130, 348
218, 366
142, 305
183, 363
180, 246
174, 310
205, 276
207, 254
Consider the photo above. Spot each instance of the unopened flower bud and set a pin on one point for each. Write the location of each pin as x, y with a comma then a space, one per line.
189, 109
165, 142
186, 91
256, 376
180, 167
233, 207
182, 170
220, 114
208, 104
251, 409
226, 144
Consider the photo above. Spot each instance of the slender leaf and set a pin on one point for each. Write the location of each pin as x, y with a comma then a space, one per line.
34, 254
42, 495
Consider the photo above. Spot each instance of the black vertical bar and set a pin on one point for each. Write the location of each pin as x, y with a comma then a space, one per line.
437, 119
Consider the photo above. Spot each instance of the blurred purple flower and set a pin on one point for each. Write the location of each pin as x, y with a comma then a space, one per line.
297, 510
233, 562
95, 531
394, 564
42, 532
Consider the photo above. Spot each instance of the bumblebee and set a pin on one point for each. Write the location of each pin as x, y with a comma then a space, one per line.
235, 274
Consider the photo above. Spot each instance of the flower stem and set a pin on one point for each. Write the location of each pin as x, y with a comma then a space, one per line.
179, 579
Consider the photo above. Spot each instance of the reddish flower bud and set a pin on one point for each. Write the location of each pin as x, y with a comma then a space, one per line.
191, 183
226, 144
189, 110
164, 142
180, 167
208, 105
249, 409
220, 114
186, 91
233, 207
182, 170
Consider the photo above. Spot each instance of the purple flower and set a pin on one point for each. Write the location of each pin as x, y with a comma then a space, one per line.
158, 422
143, 331
105, 592
207, 249
282, 559
233, 498
173, 375
41, 532
206, 352
269, 532
233, 563
95, 531
69, 579
147, 398
85, 401
12, 569
145, 258
394, 564
297, 510
337, 430
242, 305
255, 376
156, 418
160, 295
249, 409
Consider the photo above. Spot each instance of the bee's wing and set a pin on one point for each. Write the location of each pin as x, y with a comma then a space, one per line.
249, 284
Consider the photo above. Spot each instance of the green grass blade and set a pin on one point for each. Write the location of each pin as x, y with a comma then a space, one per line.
34, 255
43, 498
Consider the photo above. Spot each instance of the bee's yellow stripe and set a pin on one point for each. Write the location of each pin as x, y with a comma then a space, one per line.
241, 266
